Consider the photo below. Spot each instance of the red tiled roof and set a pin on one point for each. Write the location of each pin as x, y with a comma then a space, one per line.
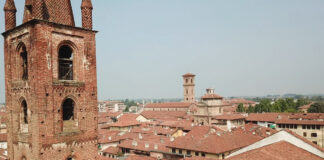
156, 129
104, 120
307, 116
128, 117
229, 109
225, 142
229, 117
255, 129
111, 150
137, 157
145, 146
169, 105
266, 117
122, 124
277, 151
105, 158
211, 96
290, 121
184, 124
199, 158
305, 106
109, 114
188, 75
199, 131
164, 115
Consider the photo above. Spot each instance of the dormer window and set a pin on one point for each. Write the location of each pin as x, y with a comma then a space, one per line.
65, 63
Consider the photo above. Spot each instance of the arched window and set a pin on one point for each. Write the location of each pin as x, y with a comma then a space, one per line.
23, 62
65, 63
25, 111
68, 110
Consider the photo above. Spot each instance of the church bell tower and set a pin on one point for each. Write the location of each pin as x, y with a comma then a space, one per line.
50, 82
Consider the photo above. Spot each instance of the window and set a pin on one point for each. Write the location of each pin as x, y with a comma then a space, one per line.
188, 153
173, 150
304, 126
308, 127
318, 127
313, 127
315, 142
203, 154
305, 134
314, 135
196, 153
65, 63
68, 110
24, 63
25, 111
295, 126
279, 125
186, 80
180, 151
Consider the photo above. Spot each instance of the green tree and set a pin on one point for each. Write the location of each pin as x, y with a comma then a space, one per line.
263, 106
250, 109
316, 108
240, 108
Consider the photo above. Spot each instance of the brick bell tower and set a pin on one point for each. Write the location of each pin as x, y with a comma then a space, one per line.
189, 87
50, 82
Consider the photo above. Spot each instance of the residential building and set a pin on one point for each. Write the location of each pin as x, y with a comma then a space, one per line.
171, 106
216, 144
228, 121
304, 108
281, 145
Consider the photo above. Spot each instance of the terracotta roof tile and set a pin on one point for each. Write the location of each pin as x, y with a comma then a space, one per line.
229, 117
169, 105
277, 151
266, 117
164, 115
211, 96
188, 75
204, 140
137, 157
290, 121
111, 150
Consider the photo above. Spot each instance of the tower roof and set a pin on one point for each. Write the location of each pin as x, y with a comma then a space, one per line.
86, 3
189, 75
57, 11
10, 6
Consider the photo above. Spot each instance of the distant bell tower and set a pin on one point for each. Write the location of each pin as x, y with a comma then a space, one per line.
50, 82
189, 87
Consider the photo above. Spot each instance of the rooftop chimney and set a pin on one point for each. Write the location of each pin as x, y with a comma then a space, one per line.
134, 143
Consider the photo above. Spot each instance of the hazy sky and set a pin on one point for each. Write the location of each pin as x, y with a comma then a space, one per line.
240, 48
